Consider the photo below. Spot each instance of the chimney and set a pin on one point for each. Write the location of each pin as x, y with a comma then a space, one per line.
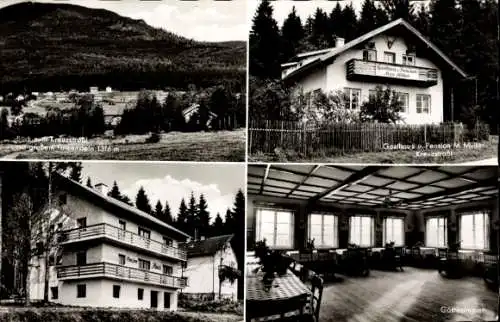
102, 188
196, 234
339, 42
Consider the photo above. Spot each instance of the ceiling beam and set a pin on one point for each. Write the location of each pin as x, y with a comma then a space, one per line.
264, 178
314, 169
353, 178
452, 191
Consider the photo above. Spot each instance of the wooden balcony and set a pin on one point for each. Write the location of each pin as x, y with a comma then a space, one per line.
360, 70
114, 271
122, 237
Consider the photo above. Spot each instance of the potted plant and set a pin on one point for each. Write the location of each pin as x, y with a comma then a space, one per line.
272, 262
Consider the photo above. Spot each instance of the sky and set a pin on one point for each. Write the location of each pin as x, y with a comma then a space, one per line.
172, 181
202, 20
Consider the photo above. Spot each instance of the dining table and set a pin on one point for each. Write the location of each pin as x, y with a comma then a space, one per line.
286, 295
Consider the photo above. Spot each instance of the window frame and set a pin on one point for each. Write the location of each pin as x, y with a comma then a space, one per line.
120, 257
348, 93
486, 228
405, 60
335, 230
141, 231
406, 108
368, 51
445, 219
140, 294
372, 230
384, 230
116, 291
417, 96
390, 54
144, 261
258, 227
54, 290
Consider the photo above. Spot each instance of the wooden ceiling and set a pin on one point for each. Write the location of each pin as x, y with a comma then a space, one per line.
401, 187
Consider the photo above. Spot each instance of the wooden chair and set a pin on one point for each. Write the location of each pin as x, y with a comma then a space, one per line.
316, 296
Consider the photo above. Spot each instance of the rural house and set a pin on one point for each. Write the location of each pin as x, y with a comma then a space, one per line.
206, 259
395, 54
193, 109
109, 254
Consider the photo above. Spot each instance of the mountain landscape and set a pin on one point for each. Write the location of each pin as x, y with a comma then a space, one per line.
51, 47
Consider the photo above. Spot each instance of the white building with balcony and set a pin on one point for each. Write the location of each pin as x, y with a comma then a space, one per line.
109, 254
396, 55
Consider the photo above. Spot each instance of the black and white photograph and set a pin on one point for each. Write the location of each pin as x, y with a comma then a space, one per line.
101, 241
373, 82
123, 80
372, 243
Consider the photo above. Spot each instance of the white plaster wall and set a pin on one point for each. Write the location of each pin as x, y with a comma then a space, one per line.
314, 80
100, 294
336, 80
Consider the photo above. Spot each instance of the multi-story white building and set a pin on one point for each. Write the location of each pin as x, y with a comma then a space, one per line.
109, 254
395, 54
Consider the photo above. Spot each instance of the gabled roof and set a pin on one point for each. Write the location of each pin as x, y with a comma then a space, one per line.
119, 204
207, 247
326, 58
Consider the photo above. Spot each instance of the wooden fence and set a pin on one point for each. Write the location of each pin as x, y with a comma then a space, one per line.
265, 136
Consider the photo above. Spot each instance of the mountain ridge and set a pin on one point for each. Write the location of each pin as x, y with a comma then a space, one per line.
50, 44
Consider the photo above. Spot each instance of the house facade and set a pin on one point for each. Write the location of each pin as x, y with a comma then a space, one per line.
109, 254
394, 55
206, 257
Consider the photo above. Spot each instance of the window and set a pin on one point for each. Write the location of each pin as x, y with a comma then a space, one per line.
55, 292
81, 222
389, 57
323, 229
372, 93
423, 104
116, 291
144, 264
140, 294
369, 55
474, 230
436, 233
121, 259
404, 99
276, 227
409, 60
166, 300
361, 230
122, 224
144, 233
81, 290
168, 270
352, 97
81, 258
63, 199
168, 241
393, 231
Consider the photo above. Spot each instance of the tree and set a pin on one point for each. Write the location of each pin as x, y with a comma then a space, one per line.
349, 22
89, 182
383, 106
292, 33
4, 123
217, 226
368, 20
265, 43
181, 220
238, 240
399, 9
75, 171
228, 222
142, 201
116, 194
204, 217
422, 20
335, 21
193, 220
321, 37
158, 213
167, 216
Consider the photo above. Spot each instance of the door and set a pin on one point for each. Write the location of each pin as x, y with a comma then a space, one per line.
154, 299
166, 300
81, 258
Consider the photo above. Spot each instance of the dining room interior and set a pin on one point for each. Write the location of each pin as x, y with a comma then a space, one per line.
372, 243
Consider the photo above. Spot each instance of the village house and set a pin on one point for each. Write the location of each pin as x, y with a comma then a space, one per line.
193, 109
206, 258
396, 55
109, 254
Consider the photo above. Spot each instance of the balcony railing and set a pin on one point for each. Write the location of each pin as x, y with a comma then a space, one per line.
100, 270
358, 69
123, 236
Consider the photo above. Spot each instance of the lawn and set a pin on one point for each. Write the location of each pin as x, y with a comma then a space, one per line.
487, 150
198, 146
60, 314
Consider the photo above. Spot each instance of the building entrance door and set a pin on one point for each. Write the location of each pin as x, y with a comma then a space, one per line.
154, 299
